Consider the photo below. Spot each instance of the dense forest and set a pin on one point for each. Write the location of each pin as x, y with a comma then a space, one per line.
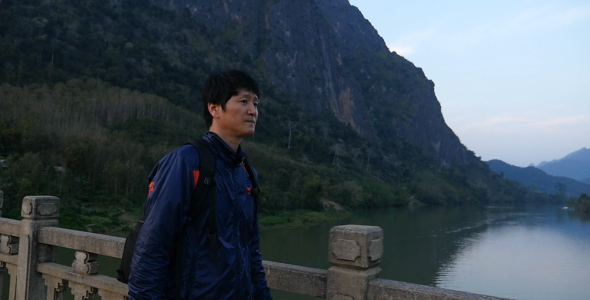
93, 93
582, 206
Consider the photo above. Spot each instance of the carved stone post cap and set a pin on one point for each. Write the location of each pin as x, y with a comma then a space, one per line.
40, 207
356, 246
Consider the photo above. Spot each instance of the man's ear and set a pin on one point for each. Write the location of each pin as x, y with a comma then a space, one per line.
213, 109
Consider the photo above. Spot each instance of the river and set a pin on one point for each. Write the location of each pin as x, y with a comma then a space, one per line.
524, 252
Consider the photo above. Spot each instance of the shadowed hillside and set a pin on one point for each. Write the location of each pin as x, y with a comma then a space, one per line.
94, 92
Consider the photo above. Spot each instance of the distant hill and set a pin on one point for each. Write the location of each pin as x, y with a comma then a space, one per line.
575, 165
538, 181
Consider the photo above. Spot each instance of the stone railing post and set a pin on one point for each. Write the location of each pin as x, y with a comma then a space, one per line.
1, 265
37, 212
355, 254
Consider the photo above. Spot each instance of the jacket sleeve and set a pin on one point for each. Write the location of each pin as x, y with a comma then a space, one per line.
168, 198
261, 291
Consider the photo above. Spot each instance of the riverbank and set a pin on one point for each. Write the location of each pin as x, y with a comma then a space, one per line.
112, 220
299, 218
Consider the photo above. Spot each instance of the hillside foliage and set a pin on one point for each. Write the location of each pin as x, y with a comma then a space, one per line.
92, 94
582, 206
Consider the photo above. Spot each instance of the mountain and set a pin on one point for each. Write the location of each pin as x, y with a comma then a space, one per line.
104, 87
575, 165
538, 181
323, 56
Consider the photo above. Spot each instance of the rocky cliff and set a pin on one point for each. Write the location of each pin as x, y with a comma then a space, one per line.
324, 55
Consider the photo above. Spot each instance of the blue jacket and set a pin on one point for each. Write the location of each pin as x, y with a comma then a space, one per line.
233, 269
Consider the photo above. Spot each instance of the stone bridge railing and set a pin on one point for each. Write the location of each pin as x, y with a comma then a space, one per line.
28, 247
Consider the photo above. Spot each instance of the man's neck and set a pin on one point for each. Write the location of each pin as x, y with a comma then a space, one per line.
232, 142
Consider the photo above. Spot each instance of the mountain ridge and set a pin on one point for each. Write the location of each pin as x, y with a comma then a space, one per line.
575, 165
290, 39
538, 180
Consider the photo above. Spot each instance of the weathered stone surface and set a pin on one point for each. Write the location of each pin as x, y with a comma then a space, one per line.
296, 279
344, 283
356, 245
85, 263
345, 249
84, 241
37, 212
40, 207
355, 253
383, 289
9, 244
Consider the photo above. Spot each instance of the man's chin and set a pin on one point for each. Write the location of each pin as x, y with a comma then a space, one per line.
248, 133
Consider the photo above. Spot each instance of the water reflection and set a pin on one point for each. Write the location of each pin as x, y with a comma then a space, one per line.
516, 252
528, 253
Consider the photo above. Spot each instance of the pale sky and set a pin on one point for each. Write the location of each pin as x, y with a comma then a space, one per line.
512, 76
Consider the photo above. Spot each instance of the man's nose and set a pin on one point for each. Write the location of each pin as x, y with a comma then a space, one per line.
252, 110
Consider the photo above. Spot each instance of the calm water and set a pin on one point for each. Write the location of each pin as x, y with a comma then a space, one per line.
534, 252
539, 253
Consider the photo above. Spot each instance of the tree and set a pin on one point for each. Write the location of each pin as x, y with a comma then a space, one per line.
291, 126
337, 149
313, 191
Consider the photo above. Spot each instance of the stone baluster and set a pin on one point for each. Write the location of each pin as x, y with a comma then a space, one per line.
12, 270
104, 294
84, 264
355, 253
37, 212
82, 291
8, 245
55, 287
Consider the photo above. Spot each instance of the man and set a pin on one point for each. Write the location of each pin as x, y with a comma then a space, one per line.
229, 267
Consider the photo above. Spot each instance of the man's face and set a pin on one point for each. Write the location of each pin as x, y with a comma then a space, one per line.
238, 120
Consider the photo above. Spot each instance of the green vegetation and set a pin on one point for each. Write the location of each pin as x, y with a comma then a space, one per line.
93, 145
93, 94
300, 217
582, 206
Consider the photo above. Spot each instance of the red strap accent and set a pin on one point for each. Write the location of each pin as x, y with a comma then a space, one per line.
151, 187
195, 178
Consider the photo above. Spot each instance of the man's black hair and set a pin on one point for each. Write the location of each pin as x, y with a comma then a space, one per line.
222, 86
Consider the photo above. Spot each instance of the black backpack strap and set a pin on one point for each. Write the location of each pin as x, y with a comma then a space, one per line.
206, 180
255, 187
205, 183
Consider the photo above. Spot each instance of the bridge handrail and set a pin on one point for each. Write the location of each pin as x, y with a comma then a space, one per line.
103, 285
82, 241
10, 227
27, 251
384, 289
296, 279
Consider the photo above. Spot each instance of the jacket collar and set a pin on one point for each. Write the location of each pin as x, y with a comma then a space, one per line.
222, 150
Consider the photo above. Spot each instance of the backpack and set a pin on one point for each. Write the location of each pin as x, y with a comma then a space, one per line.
205, 182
